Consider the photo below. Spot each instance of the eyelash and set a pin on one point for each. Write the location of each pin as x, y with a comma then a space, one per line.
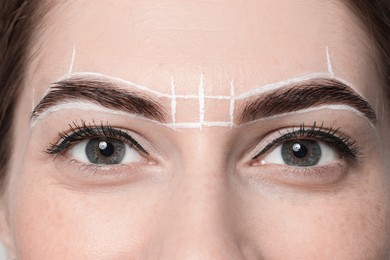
85, 131
344, 144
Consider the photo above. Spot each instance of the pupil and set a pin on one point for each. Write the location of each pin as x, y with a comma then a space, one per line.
106, 149
300, 151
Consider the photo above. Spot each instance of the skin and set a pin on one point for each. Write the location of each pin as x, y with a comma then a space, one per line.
198, 195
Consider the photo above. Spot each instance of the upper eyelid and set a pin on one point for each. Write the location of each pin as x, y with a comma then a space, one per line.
303, 134
87, 131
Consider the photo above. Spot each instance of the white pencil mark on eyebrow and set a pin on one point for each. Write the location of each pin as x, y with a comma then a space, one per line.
255, 91
331, 107
286, 83
118, 80
329, 62
173, 103
72, 60
201, 101
89, 106
195, 125
201, 96
173, 96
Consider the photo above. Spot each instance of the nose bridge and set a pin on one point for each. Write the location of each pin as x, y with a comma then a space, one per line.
196, 222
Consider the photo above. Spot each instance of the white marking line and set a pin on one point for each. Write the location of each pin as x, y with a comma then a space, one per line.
285, 83
206, 97
329, 62
232, 103
195, 125
200, 97
331, 107
252, 92
72, 61
173, 103
88, 106
201, 101
120, 81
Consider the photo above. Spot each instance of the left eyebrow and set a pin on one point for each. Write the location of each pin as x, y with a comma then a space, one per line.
304, 95
101, 92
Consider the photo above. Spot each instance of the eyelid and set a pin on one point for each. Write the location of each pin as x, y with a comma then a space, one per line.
83, 132
330, 136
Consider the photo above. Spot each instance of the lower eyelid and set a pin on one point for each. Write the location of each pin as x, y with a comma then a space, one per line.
76, 174
304, 177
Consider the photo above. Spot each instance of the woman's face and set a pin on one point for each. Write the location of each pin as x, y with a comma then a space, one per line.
200, 130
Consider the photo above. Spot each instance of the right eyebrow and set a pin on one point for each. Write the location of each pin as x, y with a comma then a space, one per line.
100, 92
305, 95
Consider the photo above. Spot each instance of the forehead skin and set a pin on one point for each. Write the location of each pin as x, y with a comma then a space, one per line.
151, 43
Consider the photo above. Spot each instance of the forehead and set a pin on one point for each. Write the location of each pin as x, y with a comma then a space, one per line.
153, 42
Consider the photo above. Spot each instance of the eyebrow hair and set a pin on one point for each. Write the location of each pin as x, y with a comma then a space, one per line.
104, 93
303, 96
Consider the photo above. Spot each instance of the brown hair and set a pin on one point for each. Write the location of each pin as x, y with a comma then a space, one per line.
18, 19
375, 16
15, 34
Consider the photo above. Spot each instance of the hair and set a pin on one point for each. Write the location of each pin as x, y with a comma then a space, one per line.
18, 23
15, 34
375, 16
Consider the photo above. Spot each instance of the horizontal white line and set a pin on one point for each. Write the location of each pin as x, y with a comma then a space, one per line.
88, 106
255, 91
197, 97
199, 125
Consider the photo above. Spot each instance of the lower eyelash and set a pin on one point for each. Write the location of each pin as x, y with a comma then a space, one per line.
85, 131
344, 144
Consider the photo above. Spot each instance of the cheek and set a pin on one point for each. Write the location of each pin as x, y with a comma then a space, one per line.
50, 220
355, 225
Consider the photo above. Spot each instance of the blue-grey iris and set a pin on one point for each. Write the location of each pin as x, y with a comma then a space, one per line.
105, 151
301, 153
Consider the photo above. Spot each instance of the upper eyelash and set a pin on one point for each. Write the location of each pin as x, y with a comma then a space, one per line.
345, 145
85, 131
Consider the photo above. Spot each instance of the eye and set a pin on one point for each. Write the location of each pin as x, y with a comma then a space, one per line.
104, 151
99, 145
301, 153
307, 147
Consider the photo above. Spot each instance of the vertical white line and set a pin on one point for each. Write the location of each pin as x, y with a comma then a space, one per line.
231, 104
173, 104
330, 67
201, 101
72, 61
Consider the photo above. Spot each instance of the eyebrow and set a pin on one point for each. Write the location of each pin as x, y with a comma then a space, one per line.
302, 96
103, 93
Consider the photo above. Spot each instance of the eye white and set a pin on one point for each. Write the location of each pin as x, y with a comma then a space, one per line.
328, 155
78, 152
